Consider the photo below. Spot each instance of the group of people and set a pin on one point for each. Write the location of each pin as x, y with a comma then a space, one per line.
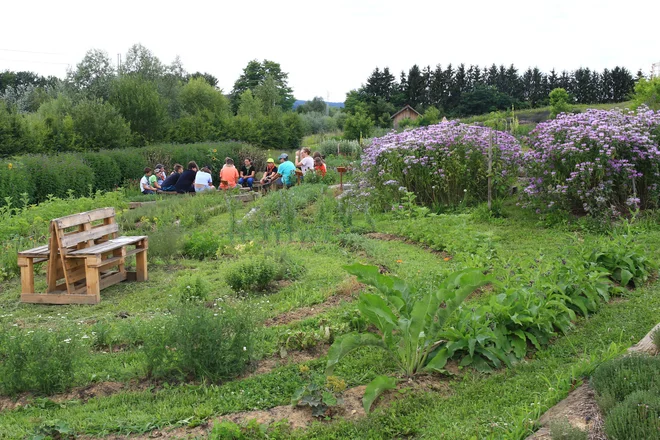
195, 179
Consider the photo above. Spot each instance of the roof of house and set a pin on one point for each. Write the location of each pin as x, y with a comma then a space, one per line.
405, 108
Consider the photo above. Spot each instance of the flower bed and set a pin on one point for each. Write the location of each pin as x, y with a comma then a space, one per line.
444, 164
595, 162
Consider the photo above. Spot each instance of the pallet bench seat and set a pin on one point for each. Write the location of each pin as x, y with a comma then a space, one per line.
84, 255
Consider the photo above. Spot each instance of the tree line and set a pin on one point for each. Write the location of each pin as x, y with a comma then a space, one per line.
464, 91
144, 101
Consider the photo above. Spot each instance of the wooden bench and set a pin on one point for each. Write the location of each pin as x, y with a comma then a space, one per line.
84, 255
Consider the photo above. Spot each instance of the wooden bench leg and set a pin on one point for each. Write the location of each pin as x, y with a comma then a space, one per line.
27, 274
141, 270
92, 277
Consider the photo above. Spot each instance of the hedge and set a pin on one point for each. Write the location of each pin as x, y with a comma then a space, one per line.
73, 174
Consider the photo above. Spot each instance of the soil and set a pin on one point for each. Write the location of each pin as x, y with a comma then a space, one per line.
579, 409
267, 365
392, 237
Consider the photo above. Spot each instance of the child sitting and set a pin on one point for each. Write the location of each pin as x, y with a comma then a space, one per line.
228, 175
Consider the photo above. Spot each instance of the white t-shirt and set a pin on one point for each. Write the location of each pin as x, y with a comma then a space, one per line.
144, 182
307, 164
203, 178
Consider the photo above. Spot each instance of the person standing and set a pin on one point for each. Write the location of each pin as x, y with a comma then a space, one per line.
247, 174
229, 175
285, 172
187, 179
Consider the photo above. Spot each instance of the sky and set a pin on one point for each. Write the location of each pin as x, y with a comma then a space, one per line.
331, 47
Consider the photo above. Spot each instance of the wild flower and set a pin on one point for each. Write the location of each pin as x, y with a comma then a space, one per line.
595, 162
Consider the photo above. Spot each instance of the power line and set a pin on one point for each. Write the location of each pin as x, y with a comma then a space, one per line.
30, 61
30, 51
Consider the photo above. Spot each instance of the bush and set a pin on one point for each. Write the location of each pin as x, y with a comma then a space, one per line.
255, 274
15, 180
637, 417
36, 360
201, 245
444, 164
200, 343
616, 379
60, 176
193, 288
165, 242
598, 162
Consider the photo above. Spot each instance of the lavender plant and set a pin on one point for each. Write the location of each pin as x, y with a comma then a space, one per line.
597, 162
444, 164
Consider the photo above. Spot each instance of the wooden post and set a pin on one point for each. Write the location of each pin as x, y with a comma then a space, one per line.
341, 171
141, 262
92, 277
27, 274
490, 171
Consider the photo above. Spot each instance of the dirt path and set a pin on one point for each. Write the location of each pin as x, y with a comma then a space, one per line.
391, 237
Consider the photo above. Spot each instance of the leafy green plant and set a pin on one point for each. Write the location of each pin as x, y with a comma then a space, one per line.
53, 430
201, 245
256, 274
408, 322
625, 265
637, 417
320, 397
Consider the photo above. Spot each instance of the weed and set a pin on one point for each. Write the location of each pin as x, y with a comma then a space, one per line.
193, 288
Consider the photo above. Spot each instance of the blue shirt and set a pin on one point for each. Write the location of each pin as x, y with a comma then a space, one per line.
287, 170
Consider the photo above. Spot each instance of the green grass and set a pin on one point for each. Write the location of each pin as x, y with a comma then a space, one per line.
517, 250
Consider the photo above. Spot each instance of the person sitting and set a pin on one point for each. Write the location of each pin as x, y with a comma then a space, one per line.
304, 161
285, 172
229, 175
145, 186
160, 175
169, 183
186, 181
153, 178
319, 167
247, 174
203, 180
269, 174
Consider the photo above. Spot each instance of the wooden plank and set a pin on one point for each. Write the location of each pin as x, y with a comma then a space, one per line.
112, 279
108, 246
89, 235
58, 298
54, 261
40, 251
84, 217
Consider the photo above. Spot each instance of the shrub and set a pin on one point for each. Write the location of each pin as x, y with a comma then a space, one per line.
637, 417
59, 175
200, 343
647, 92
597, 162
193, 288
165, 242
444, 164
15, 179
559, 99
254, 274
616, 379
36, 360
201, 245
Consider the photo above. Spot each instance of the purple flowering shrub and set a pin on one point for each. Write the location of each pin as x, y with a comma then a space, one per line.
597, 162
444, 164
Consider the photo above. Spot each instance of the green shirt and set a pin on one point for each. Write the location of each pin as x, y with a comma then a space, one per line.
153, 179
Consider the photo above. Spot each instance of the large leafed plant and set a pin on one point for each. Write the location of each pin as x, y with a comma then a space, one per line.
408, 323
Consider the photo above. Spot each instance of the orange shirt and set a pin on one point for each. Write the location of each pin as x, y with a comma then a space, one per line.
322, 168
230, 174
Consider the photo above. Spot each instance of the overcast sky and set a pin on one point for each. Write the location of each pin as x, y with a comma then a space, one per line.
330, 47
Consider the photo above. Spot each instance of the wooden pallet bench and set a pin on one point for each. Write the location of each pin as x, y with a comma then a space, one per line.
84, 255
